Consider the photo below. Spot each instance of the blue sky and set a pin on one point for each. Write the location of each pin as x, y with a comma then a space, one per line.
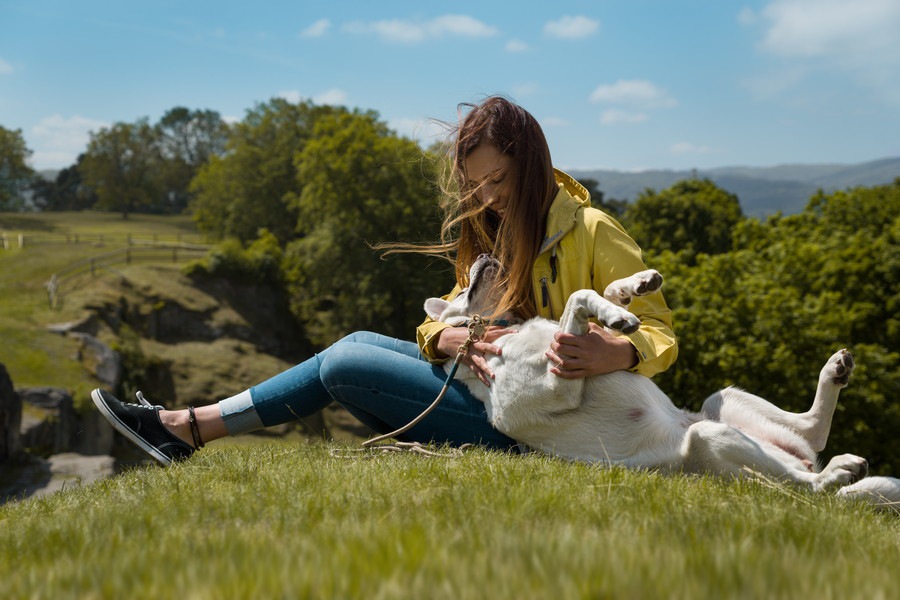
620, 84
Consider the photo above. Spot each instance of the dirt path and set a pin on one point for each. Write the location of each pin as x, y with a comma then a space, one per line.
41, 477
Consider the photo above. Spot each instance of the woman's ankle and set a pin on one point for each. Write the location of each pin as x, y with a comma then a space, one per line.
210, 425
178, 424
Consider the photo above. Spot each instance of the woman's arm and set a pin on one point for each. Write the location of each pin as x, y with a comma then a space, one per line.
648, 351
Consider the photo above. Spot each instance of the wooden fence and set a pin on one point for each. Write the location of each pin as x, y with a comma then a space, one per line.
105, 263
9, 241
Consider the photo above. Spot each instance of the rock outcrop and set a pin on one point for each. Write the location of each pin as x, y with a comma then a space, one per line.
10, 417
53, 426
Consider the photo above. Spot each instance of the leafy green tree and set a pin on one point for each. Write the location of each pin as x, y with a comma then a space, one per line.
246, 189
693, 215
360, 184
122, 166
66, 192
615, 208
15, 174
187, 140
767, 315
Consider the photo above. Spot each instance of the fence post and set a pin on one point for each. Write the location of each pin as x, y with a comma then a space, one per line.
5, 241
21, 240
52, 289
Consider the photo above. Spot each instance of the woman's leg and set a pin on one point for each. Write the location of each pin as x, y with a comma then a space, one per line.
386, 389
293, 394
383, 381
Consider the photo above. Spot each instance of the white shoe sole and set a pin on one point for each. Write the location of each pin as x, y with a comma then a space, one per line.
119, 426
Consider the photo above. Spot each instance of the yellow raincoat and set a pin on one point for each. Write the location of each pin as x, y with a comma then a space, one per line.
584, 248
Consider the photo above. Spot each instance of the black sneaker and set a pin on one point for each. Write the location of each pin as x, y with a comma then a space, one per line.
140, 423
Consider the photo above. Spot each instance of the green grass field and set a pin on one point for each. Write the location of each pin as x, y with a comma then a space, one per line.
32, 355
287, 520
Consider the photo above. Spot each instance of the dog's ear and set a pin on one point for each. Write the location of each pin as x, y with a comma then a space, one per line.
434, 307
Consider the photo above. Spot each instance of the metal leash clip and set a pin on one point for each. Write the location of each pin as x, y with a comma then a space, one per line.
477, 329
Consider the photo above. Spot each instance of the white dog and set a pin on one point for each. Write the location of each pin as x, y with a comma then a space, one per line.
624, 418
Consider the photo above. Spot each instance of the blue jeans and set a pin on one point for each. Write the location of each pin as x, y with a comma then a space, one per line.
382, 381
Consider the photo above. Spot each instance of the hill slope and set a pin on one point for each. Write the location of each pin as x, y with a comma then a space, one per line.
762, 190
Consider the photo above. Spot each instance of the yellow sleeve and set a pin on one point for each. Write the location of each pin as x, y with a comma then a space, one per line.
426, 333
616, 256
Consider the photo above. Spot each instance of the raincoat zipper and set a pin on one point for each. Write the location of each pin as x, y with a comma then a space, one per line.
546, 301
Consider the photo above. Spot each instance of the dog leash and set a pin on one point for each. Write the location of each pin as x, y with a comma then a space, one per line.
477, 328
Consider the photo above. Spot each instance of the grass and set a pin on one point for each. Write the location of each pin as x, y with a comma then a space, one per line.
288, 520
32, 355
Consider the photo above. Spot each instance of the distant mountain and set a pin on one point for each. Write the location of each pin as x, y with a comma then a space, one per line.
761, 190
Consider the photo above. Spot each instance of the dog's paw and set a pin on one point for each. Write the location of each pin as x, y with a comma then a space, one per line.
842, 470
838, 368
623, 291
626, 323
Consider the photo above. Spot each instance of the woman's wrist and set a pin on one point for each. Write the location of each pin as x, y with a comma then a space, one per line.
622, 354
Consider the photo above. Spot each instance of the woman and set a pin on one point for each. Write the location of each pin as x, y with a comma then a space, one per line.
510, 202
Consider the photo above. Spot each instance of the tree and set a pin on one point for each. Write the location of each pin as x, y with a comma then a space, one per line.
15, 174
693, 215
188, 139
122, 167
767, 314
245, 189
615, 208
360, 184
66, 192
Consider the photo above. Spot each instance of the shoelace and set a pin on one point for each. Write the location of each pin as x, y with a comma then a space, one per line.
143, 402
195, 431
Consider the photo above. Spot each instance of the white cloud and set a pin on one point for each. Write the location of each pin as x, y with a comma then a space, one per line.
682, 148
292, 96
857, 40
516, 46
771, 85
334, 97
832, 28
571, 27
317, 29
554, 122
5, 67
615, 116
424, 131
634, 92
747, 16
58, 141
525, 89
413, 32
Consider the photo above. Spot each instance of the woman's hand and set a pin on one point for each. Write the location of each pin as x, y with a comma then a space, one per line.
450, 339
595, 353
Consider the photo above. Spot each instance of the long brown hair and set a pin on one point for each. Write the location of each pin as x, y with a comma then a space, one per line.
469, 228
515, 239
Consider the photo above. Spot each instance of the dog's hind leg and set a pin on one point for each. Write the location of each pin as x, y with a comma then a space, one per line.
584, 304
717, 448
622, 291
744, 410
883, 492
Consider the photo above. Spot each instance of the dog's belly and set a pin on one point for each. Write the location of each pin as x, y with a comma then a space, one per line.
618, 417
